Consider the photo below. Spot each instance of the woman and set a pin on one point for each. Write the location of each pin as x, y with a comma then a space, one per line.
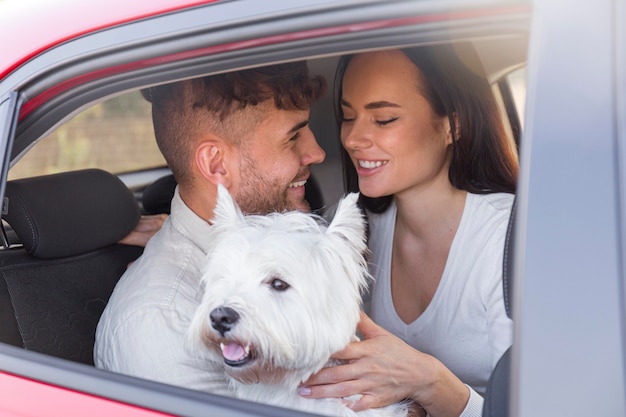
436, 172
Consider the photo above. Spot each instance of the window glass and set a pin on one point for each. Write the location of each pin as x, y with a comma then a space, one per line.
115, 135
517, 81
512, 102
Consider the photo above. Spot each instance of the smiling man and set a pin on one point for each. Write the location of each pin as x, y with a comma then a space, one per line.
247, 130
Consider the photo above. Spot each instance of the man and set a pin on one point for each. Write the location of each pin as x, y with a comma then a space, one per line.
247, 130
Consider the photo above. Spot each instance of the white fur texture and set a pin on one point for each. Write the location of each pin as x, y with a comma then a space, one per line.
295, 285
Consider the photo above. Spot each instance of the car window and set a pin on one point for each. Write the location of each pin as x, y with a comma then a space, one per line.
510, 94
517, 82
115, 135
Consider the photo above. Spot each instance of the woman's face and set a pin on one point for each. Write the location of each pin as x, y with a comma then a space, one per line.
395, 140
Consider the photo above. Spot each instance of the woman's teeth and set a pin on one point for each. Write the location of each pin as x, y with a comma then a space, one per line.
371, 164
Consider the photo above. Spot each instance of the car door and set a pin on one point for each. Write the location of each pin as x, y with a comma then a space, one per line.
569, 304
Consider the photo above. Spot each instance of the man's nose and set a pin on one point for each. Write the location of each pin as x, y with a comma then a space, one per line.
313, 153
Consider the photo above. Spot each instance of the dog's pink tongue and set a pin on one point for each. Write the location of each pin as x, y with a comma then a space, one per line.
233, 351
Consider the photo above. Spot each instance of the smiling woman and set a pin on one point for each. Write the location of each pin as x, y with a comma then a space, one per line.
438, 190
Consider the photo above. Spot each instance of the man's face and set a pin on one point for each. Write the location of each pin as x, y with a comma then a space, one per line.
275, 163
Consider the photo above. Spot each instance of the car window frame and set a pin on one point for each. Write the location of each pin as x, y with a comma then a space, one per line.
115, 386
9, 105
220, 56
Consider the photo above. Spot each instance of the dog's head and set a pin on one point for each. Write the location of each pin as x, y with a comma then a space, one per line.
282, 291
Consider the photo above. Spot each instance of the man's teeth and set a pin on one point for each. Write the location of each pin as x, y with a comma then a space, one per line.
297, 184
371, 164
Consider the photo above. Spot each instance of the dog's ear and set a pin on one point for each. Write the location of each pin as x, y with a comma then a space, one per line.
347, 233
226, 212
349, 223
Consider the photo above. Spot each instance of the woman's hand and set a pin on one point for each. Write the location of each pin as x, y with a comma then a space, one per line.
145, 229
384, 370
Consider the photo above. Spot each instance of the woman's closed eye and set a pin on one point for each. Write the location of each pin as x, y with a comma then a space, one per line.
386, 121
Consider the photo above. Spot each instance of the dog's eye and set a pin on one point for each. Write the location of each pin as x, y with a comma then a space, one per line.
278, 284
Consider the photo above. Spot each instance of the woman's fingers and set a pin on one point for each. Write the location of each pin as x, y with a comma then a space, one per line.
144, 230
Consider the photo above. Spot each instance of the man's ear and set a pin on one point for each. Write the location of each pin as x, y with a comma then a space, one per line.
210, 161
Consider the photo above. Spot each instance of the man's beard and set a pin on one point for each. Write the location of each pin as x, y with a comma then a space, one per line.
258, 195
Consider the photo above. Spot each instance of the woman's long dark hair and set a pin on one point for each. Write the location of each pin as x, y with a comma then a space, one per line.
483, 160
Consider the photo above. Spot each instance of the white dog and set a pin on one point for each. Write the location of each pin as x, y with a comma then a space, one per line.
282, 293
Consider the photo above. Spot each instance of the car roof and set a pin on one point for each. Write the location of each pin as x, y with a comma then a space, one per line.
51, 23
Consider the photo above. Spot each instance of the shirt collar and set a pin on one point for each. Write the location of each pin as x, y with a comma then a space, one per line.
189, 224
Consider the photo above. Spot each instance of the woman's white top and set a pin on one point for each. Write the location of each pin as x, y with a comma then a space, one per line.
465, 326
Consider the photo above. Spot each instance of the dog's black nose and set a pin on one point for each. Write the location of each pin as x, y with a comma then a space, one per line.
223, 319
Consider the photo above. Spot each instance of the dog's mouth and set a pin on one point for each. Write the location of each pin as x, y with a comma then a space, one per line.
235, 354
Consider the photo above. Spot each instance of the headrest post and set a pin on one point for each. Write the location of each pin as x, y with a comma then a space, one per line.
4, 239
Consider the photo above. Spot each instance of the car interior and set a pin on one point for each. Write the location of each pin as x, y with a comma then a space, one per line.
60, 258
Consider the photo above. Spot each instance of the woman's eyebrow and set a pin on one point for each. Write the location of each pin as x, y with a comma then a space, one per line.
373, 105
380, 104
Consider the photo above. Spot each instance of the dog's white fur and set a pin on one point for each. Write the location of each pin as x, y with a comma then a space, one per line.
295, 286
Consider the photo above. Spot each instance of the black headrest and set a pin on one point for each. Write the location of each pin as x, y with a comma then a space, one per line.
70, 213
157, 197
313, 195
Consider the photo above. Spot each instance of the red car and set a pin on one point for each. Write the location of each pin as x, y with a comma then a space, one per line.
70, 72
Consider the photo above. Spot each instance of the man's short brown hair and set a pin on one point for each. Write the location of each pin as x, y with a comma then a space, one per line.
224, 105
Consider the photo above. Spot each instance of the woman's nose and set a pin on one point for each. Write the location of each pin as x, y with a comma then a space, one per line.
353, 137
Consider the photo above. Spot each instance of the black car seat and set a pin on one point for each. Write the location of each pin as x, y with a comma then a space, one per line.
56, 283
497, 395
157, 197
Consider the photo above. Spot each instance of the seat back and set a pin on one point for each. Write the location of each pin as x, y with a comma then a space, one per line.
497, 395
55, 285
